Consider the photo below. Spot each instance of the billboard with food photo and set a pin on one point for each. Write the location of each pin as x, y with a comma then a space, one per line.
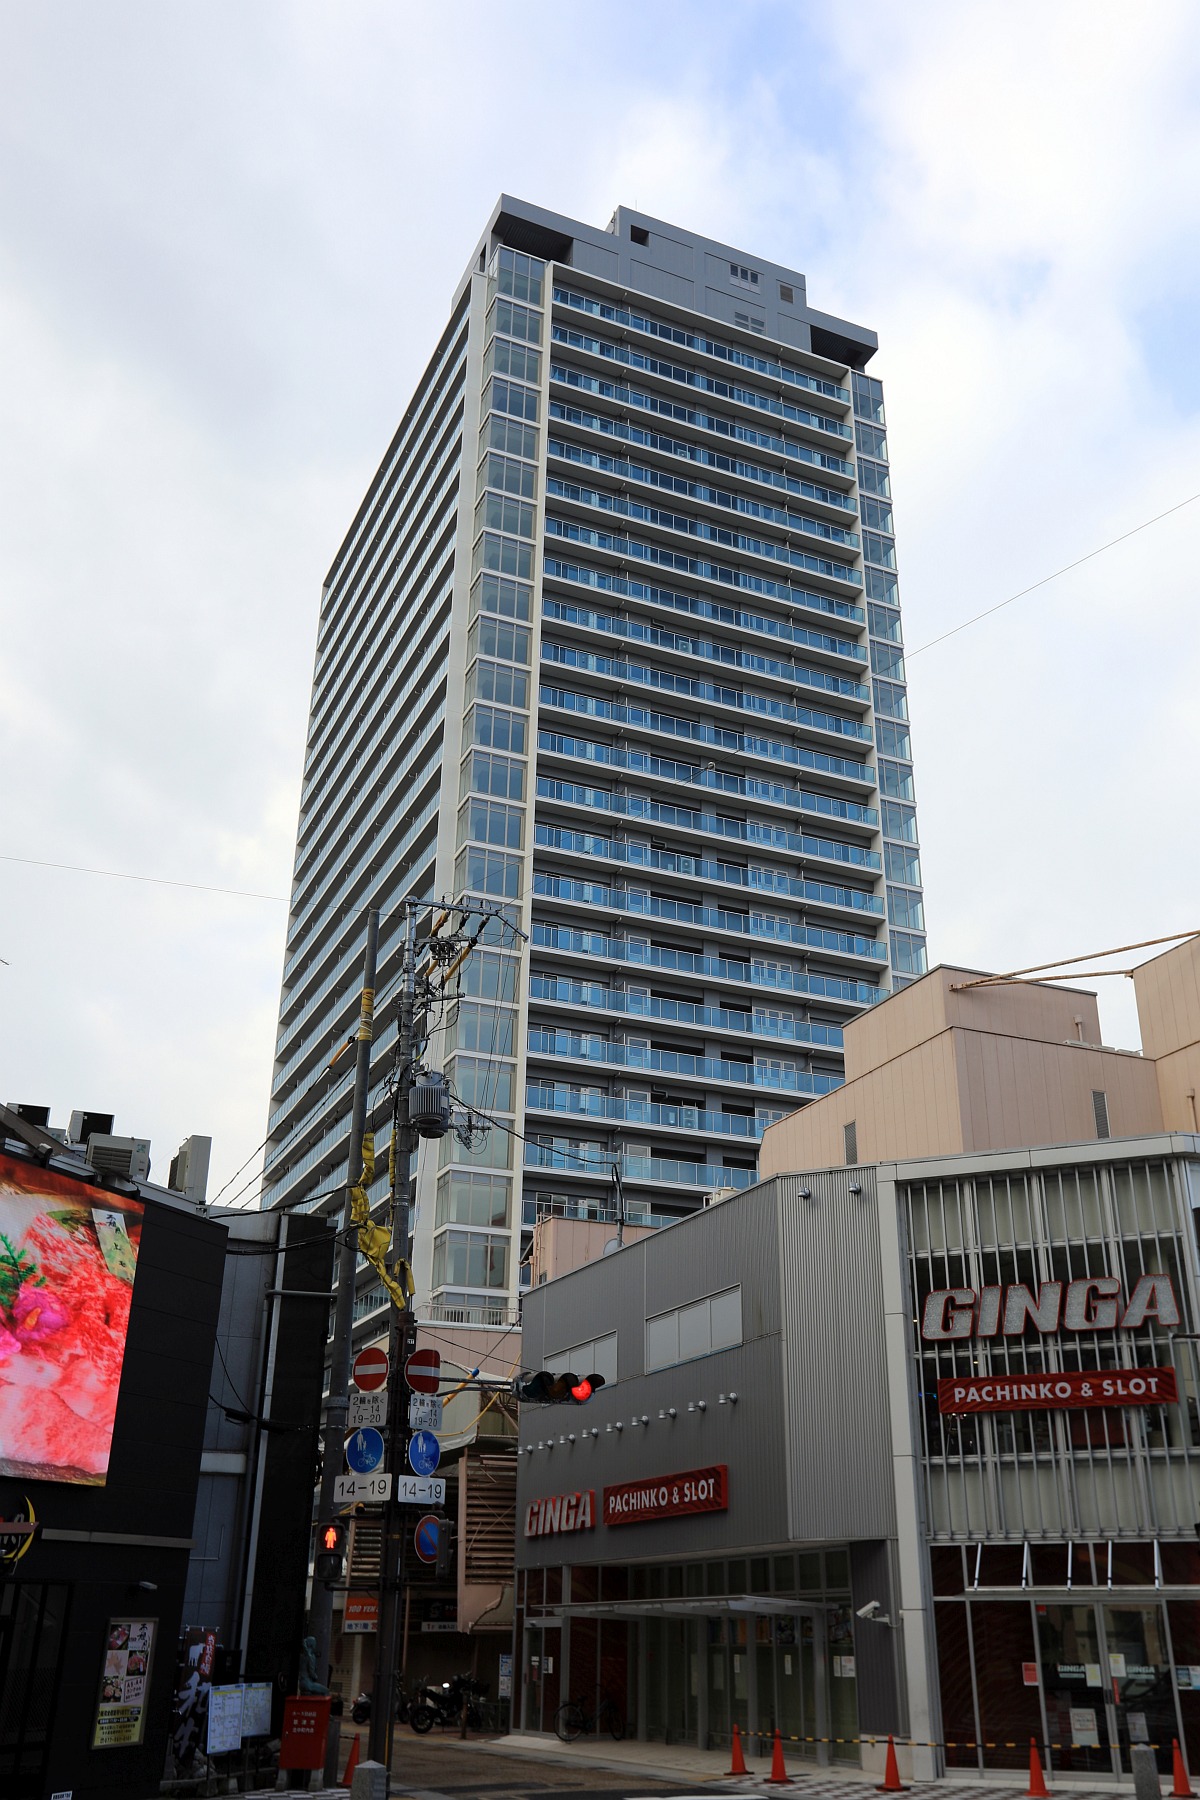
68, 1256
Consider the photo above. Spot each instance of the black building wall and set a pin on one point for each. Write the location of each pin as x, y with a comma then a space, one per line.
98, 1543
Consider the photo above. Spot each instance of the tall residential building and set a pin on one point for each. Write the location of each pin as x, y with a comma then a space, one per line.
615, 639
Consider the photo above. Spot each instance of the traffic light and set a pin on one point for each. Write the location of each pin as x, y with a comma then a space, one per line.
330, 1562
445, 1569
546, 1389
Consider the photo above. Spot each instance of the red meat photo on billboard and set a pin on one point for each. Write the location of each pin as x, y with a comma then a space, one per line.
68, 1256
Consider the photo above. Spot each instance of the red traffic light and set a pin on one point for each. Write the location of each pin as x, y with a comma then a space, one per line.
583, 1391
331, 1537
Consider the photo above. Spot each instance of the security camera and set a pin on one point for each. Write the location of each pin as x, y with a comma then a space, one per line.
869, 1610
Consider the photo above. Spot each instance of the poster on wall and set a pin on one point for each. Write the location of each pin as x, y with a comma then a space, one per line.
121, 1708
193, 1686
66, 1283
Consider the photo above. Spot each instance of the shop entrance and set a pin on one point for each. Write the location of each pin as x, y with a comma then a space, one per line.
792, 1691
1106, 1676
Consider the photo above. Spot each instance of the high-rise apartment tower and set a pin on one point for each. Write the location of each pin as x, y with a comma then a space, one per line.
614, 638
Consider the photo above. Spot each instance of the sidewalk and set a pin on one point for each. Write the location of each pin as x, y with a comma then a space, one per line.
683, 1763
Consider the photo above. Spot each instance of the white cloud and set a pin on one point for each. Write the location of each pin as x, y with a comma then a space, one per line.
227, 240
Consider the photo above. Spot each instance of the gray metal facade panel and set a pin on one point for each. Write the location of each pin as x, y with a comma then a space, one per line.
745, 1436
840, 1450
732, 1243
725, 1245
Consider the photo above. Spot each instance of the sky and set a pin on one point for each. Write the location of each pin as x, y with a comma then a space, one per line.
229, 235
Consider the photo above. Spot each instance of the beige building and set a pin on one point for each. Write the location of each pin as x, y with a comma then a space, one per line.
956, 1064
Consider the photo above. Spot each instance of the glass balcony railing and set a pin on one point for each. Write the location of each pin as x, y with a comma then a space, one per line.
745, 831
770, 706
823, 806
661, 1116
662, 329
557, 1206
715, 968
636, 900
728, 655
585, 843
684, 912
586, 1048
651, 1169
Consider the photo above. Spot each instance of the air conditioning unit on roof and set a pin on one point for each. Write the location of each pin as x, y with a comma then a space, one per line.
119, 1156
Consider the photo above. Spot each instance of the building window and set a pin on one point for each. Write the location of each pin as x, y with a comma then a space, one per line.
598, 1357
1100, 1108
467, 1198
850, 1142
739, 272
470, 1259
786, 294
714, 1323
639, 234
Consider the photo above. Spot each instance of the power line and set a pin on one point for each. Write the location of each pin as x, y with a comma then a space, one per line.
197, 887
1065, 570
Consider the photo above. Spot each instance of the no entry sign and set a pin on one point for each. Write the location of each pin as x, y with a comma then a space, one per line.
370, 1369
423, 1370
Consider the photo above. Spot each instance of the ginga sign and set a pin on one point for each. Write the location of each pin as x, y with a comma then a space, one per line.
1091, 1304
564, 1512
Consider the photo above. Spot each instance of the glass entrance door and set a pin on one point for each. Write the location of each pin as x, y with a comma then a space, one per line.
1142, 1696
790, 1689
1078, 1700
1106, 1676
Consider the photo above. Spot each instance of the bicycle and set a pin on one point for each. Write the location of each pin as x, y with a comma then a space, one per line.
573, 1720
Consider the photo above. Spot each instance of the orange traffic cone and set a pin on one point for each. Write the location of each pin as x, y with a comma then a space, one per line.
1037, 1789
891, 1783
779, 1775
1181, 1787
738, 1760
351, 1763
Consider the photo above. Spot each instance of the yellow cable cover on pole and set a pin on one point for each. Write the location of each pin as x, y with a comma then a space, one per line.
373, 1239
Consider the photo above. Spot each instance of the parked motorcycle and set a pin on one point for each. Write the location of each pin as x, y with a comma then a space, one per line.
360, 1712
444, 1705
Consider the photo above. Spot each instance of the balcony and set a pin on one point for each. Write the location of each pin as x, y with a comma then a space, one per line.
594, 894
581, 381
769, 706
653, 1114
707, 824
584, 1047
650, 1170
595, 944
729, 656
591, 1212
745, 787
645, 324
669, 862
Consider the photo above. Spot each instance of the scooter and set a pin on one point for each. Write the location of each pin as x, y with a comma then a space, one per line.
360, 1712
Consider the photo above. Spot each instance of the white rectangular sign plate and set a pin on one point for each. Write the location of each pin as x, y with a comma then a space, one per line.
421, 1490
363, 1487
424, 1412
367, 1409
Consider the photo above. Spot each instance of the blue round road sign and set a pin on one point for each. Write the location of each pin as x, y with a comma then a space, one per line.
425, 1537
364, 1449
424, 1453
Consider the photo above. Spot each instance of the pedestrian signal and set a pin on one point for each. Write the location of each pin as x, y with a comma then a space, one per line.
330, 1562
546, 1389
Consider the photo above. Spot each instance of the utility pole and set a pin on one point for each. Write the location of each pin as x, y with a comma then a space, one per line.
320, 1618
401, 1342
420, 986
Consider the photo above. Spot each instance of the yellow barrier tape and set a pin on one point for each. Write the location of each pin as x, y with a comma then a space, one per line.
373, 1240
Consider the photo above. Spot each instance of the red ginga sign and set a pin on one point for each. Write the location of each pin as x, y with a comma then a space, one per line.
1083, 1387
561, 1512
667, 1496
